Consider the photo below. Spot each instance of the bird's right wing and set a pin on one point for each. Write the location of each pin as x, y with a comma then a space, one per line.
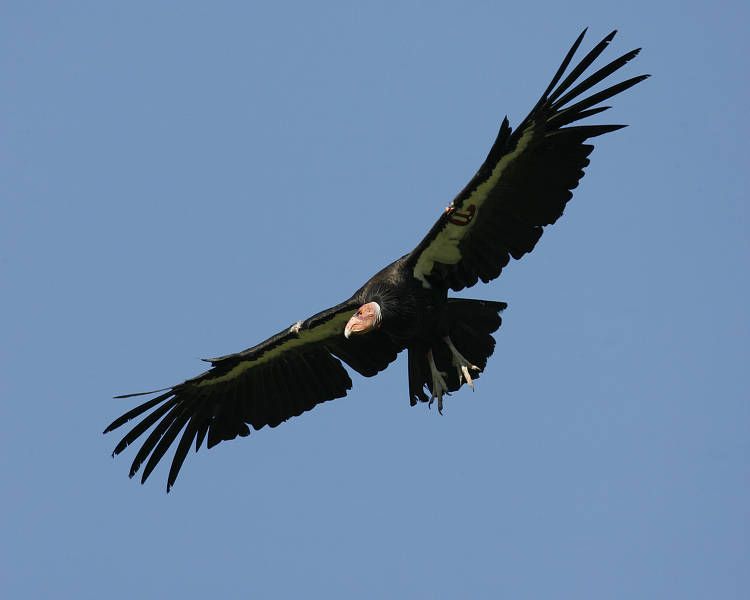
267, 384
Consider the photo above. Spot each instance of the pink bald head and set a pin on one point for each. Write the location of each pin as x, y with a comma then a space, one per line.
364, 320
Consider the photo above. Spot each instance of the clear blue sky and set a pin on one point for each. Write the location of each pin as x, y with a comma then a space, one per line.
180, 180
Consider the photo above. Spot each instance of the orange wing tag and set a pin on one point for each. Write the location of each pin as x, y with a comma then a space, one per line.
461, 217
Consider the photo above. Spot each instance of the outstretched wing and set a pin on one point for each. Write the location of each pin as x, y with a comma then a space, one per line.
280, 378
523, 184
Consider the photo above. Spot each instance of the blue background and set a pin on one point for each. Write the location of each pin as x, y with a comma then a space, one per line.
180, 180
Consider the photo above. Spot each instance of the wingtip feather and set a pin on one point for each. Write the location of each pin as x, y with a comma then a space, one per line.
141, 393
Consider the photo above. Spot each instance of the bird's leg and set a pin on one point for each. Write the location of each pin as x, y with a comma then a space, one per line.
439, 387
462, 365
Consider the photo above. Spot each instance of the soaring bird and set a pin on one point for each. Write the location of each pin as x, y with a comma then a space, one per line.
522, 186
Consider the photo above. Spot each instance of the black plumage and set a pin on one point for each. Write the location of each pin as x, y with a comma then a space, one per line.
522, 186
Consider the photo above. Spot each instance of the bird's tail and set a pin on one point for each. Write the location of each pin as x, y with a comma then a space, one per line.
469, 324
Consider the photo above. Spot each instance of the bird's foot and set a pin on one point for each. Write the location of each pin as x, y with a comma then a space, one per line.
439, 386
462, 365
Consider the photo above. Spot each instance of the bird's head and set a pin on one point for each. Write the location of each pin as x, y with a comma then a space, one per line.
366, 319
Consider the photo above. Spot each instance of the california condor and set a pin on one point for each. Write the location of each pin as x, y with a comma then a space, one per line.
523, 185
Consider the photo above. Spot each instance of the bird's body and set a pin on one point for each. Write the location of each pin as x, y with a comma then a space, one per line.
522, 186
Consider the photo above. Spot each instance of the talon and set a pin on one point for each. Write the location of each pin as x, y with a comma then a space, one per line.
462, 365
439, 386
465, 373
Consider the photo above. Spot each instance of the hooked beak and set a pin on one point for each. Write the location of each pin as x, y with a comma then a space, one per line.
364, 320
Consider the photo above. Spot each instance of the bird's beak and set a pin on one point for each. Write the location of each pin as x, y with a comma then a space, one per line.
364, 320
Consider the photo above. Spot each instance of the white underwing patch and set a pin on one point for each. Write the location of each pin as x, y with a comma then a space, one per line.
444, 248
332, 327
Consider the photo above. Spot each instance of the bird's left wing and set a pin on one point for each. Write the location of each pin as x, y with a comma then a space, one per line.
523, 184
267, 384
